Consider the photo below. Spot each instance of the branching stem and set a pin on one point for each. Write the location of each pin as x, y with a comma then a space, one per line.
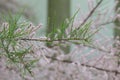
90, 14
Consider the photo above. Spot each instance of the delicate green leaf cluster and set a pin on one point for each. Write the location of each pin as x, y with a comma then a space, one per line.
11, 47
82, 34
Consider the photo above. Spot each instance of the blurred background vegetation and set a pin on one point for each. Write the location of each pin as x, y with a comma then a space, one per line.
41, 8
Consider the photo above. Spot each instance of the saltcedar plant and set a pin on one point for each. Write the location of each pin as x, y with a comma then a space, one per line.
15, 38
27, 52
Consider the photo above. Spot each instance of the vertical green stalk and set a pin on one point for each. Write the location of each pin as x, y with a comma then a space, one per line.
58, 11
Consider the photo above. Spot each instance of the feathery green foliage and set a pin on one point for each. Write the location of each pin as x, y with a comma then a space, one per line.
81, 35
12, 30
